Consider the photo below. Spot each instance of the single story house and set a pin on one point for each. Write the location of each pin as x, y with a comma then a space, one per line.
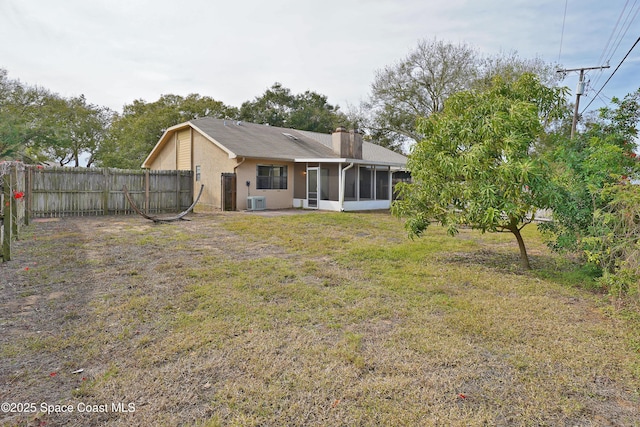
251, 166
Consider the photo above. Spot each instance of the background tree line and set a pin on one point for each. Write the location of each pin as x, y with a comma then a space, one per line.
38, 125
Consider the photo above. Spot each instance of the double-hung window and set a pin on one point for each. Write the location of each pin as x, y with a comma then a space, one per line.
271, 177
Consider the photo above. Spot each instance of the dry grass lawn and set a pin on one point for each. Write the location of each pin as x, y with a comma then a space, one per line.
236, 319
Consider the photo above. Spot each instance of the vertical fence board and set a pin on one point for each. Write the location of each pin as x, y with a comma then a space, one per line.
7, 212
15, 223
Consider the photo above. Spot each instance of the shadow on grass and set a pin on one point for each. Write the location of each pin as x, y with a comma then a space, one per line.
498, 261
544, 266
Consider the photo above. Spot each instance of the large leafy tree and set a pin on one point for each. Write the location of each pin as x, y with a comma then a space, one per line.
510, 66
23, 129
594, 211
313, 113
416, 86
419, 84
613, 240
78, 129
135, 132
37, 125
11, 131
273, 107
477, 165
305, 111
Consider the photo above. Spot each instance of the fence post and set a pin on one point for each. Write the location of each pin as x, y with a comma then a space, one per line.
179, 205
105, 192
7, 218
27, 195
15, 222
147, 190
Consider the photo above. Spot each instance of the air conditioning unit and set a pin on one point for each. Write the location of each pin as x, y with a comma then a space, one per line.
256, 203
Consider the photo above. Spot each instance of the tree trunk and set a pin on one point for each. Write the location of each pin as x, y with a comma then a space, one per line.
524, 258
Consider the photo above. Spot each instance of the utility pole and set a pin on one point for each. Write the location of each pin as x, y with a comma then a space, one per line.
579, 92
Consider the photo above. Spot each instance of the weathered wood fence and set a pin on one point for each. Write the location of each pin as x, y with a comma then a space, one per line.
12, 208
57, 192
38, 192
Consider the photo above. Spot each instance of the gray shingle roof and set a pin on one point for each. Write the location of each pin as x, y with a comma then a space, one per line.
251, 140
261, 141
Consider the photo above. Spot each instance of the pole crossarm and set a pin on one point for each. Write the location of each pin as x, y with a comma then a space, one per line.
579, 91
568, 70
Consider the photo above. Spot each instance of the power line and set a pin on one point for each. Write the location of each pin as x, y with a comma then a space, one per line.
604, 101
622, 32
612, 74
615, 27
566, 2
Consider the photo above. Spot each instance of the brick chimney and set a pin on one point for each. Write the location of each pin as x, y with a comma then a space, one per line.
347, 144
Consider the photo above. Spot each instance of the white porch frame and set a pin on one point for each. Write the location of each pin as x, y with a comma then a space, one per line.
353, 205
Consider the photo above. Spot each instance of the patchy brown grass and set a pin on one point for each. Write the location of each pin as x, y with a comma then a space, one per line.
314, 319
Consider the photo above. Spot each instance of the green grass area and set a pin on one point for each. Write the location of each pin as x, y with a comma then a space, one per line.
324, 319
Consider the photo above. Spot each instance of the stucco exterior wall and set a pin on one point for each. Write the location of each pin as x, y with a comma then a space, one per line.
213, 161
276, 199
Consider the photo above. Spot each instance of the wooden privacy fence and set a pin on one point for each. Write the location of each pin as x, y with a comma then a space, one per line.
56, 192
38, 192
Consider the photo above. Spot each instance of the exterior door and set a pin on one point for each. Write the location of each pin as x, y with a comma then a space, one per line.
228, 191
312, 187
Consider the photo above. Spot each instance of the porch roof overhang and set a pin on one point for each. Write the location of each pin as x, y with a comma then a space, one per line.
393, 165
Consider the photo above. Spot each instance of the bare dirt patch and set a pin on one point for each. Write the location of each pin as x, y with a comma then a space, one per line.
62, 272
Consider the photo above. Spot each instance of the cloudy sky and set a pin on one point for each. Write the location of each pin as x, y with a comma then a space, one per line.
116, 51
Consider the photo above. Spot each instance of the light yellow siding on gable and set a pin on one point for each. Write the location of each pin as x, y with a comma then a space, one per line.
166, 158
184, 150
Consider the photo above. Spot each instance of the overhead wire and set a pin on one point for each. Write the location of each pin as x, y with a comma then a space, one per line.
621, 35
564, 19
612, 74
604, 99
618, 39
615, 27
